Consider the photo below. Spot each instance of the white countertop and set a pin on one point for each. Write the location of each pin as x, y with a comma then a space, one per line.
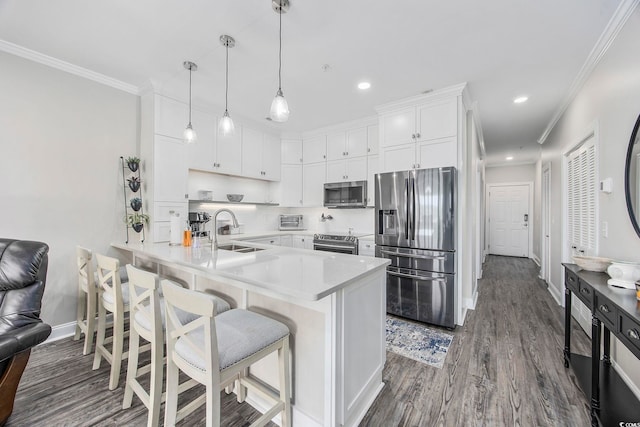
298, 273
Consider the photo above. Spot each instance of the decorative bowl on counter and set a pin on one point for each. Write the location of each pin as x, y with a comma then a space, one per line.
592, 263
235, 197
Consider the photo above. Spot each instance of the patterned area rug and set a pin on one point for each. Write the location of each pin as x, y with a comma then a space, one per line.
416, 341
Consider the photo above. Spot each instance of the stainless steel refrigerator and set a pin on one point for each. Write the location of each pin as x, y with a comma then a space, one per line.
416, 230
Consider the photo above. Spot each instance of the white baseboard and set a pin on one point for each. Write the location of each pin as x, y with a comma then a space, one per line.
632, 386
59, 332
470, 303
536, 259
555, 293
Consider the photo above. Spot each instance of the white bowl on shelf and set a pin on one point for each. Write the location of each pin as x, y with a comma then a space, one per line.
592, 263
235, 197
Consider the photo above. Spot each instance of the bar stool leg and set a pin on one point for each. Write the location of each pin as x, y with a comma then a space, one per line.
80, 312
171, 402
283, 361
91, 325
132, 367
155, 389
102, 315
116, 354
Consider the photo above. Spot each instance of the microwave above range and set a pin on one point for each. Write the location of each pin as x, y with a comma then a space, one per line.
345, 194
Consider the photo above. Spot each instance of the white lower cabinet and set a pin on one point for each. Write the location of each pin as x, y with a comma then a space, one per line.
303, 242
286, 240
366, 248
314, 177
274, 240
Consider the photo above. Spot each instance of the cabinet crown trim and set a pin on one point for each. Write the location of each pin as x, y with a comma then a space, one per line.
436, 95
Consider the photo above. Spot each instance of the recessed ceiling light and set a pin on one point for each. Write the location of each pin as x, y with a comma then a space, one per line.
520, 99
509, 158
364, 85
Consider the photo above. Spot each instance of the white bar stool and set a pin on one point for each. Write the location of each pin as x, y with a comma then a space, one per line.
147, 320
215, 351
113, 297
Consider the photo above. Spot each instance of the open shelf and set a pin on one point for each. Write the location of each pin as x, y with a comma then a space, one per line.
226, 202
617, 402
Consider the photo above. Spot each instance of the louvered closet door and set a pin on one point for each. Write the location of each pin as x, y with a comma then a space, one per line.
581, 200
582, 178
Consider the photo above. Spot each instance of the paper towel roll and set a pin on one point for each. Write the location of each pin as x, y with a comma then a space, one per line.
175, 231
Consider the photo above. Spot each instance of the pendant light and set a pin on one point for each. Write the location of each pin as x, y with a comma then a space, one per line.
279, 107
226, 127
190, 134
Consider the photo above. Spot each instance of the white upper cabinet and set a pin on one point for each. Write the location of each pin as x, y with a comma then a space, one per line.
314, 149
398, 127
398, 157
228, 153
347, 170
336, 146
373, 139
202, 152
291, 151
291, 186
437, 120
357, 142
314, 177
271, 157
252, 153
260, 155
170, 172
437, 153
171, 117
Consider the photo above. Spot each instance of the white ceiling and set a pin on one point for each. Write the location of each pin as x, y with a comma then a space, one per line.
502, 48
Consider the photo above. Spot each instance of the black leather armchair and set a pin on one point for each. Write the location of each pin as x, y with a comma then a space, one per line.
23, 273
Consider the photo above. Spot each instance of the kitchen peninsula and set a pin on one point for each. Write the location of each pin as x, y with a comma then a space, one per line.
333, 304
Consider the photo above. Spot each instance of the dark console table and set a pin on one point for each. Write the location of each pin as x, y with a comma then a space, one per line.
614, 311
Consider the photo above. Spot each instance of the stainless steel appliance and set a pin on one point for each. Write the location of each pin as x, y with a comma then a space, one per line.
345, 194
291, 222
415, 229
344, 243
197, 221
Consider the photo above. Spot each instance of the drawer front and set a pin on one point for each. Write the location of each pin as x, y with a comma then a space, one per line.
606, 311
571, 281
630, 330
585, 293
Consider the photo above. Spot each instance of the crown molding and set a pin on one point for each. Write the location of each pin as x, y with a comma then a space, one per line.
52, 62
611, 31
436, 95
478, 125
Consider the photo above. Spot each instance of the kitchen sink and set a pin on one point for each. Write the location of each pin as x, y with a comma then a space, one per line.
238, 248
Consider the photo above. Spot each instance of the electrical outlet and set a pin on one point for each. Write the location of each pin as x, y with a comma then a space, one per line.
604, 230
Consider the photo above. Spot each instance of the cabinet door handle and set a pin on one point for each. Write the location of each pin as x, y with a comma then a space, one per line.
633, 334
413, 136
368, 150
324, 156
417, 135
346, 154
584, 291
300, 160
604, 308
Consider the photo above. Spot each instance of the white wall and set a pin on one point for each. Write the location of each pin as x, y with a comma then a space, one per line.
504, 174
61, 137
610, 99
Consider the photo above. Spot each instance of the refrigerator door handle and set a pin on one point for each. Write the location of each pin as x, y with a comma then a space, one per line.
413, 208
406, 198
398, 254
411, 276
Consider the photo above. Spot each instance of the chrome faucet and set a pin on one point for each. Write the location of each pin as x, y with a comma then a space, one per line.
214, 241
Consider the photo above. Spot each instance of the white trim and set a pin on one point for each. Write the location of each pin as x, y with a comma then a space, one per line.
507, 164
463, 316
488, 210
341, 127
545, 219
59, 332
615, 24
555, 293
475, 111
298, 417
535, 259
632, 386
470, 303
444, 93
59, 64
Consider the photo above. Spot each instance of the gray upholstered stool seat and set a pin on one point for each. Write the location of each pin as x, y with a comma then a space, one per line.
109, 298
240, 333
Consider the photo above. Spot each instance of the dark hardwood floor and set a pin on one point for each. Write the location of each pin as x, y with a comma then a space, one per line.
504, 367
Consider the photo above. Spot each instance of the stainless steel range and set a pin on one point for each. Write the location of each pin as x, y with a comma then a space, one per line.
343, 243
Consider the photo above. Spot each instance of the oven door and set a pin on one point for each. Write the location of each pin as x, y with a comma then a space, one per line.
332, 247
421, 295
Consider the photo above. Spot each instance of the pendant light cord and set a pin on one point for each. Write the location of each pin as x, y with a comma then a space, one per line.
280, 51
190, 67
226, 84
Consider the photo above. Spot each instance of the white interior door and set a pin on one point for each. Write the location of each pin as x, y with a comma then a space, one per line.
546, 219
509, 220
